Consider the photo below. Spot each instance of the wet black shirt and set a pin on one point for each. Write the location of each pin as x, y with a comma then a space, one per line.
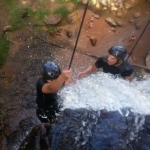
44, 100
125, 69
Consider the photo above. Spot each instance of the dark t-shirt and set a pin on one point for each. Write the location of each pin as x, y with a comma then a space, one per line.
44, 100
125, 69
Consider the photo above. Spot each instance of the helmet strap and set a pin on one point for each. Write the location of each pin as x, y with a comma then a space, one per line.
118, 63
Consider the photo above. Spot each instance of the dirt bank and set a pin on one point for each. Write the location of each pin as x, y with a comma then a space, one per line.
22, 68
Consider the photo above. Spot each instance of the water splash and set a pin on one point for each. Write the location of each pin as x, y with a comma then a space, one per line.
101, 91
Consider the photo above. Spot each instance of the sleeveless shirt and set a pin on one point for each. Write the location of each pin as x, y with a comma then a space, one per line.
44, 100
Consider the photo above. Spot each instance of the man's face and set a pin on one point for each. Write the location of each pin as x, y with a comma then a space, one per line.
111, 60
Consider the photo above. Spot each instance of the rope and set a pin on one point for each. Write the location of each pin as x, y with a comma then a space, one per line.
134, 47
78, 34
138, 40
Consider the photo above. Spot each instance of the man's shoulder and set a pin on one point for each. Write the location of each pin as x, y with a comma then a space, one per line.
128, 66
40, 81
103, 58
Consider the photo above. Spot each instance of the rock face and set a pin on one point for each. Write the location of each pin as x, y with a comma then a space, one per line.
52, 19
148, 60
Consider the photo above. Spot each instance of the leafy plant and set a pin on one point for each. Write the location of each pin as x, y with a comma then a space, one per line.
18, 15
40, 14
4, 48
62, 11
76, 2
51, 28
60, 1
9, 4
41, 1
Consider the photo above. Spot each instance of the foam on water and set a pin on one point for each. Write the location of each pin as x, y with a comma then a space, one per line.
101, 91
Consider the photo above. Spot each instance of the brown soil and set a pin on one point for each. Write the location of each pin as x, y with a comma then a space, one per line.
21, 70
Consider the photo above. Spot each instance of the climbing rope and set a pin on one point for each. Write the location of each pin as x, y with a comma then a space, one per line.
78, 34
134, 46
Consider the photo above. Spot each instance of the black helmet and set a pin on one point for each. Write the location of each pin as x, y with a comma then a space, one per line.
118, 51
50, 71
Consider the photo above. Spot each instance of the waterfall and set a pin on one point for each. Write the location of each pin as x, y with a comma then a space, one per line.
101, 91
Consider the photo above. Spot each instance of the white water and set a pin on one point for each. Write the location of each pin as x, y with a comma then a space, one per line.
101, 91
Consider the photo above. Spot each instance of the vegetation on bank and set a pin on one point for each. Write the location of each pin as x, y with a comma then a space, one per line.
21, 17
76, 2
4, 48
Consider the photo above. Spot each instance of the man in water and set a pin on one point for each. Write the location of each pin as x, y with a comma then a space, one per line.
47, 87
114, 63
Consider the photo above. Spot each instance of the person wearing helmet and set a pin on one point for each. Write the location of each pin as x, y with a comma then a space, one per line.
47, 86
114, 63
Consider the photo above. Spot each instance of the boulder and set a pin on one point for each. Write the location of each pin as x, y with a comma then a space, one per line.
72, 18
137, 14
128, 6
52, 19
148, 60
111, 22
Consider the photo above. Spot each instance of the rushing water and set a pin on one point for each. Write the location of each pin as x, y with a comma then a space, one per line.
102, 112
101, 91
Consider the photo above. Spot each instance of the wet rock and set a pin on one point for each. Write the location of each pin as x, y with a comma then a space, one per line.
148, 60
4, 124
37, 138
84, 1
96, 16
25, 123
93, 40
104, 8
132, 21
7, 28
103, 3
113, 29
72, 18
52, 19
2, 75
137, 14
127, 6
111, 22
119, 14
70, 5
68, 33
113, 8
137, 26
119, 23
3, 145
81, 129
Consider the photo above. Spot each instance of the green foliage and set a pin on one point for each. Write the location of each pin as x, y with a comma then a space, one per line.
40, 14
41, 1
62, 11
63, 1
4, 48
60, 1
51, 28
18, 15
9, 4
75, 2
